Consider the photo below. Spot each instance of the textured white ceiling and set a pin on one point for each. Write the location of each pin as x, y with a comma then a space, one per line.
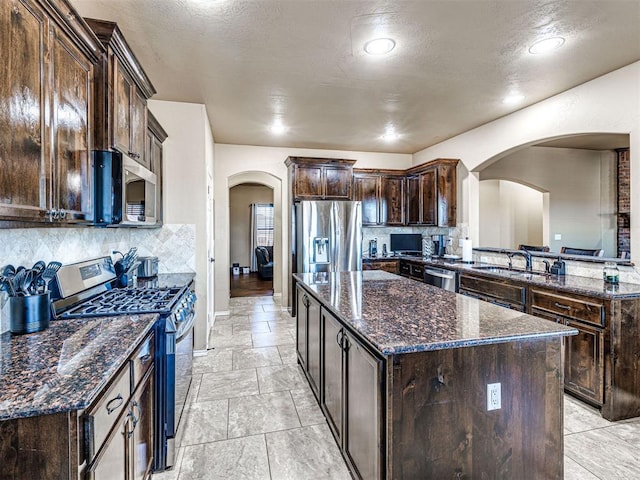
302, 61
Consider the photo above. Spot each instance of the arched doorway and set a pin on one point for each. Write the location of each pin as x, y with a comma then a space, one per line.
251, 228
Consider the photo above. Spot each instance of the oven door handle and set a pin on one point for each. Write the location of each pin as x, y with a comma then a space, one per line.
185, 326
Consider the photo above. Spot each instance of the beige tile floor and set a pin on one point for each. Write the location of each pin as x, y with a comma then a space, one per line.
253, 416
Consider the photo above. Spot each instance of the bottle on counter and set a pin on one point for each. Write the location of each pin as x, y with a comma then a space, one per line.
611, 273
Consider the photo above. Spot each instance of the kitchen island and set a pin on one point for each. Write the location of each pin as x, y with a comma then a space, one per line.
418, 382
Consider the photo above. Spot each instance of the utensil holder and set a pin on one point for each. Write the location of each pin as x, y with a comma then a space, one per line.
29, 314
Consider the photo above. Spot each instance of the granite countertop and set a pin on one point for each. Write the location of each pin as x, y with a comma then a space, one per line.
594, 287
64, 367
567, 283
399, 315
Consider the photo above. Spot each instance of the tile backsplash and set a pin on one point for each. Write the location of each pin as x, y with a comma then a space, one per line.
382, 234
173, 244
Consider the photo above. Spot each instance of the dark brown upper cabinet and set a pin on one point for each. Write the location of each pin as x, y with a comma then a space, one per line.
46, 112
156, 135
432, 194
320, 178
122, 93
382, 195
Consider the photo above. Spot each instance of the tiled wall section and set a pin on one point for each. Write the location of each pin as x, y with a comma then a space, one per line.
382, 234
173, 244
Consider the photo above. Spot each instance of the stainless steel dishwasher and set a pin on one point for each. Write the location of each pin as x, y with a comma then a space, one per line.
440, 277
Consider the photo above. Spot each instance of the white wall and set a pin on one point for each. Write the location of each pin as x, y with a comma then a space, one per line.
187, 156
235, 164
609, 104
581, 186
510, 214
240, 199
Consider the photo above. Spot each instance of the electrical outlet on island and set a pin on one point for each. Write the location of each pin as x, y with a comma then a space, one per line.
494, 397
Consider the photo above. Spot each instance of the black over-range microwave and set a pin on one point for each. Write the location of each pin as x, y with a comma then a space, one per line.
125, 192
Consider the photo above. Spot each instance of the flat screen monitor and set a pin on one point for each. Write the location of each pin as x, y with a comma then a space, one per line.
406, 242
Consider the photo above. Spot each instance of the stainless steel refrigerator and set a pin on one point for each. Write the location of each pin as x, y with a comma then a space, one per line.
326, 237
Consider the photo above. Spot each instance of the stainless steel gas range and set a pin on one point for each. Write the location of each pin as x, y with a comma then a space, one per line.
86, 289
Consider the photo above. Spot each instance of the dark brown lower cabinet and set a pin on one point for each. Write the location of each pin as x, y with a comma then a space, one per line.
583, 359
308, 337
352, 397
390, 266
499, 292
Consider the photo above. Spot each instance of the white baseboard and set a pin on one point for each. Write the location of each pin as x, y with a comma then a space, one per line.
222, 314
200, 353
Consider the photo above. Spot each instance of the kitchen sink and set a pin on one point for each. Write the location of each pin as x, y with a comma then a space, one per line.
510, 271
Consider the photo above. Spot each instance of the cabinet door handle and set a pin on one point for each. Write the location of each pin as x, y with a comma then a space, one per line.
114, 404
339, 338
563, 307
305, 300
346, 344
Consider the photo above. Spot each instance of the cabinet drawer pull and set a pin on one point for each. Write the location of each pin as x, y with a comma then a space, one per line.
117, 403
563, 307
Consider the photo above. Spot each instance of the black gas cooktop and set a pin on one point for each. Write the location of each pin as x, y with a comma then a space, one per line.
127, 300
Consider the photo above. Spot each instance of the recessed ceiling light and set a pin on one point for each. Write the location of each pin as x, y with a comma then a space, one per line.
546, 45
379, 46
513, 99
389, 135
278, 128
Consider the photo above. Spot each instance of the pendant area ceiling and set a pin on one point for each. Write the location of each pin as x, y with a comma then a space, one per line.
302, 62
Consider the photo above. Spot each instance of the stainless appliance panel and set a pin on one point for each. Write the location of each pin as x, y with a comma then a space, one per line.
328, 236
445, 279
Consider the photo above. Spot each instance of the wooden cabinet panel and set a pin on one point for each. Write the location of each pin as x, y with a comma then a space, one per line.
432, 194
366, 190
363, 414
23, 36
503, 291
121, 108
391, 200
141, 428
447, 195
337, 183
382, 198
72, 124
429, 198
301, 327
585, 309
139, 128
308, 182
332, 385
153, 154
320, 178
413, 200
387, 266
313, 345
583, 358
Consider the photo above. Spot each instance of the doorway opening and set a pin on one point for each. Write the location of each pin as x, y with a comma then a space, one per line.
251, 240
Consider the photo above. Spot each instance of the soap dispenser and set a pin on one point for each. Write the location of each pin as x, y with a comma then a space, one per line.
559, 267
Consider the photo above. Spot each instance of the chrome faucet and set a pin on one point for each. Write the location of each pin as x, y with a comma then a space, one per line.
527, 258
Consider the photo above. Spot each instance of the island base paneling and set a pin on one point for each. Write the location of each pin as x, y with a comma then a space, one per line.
43, 447
439, 426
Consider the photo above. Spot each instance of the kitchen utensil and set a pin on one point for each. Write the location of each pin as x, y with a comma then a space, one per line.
39, 267
49, 274
17, 281
7, 285
9, 271
27, 282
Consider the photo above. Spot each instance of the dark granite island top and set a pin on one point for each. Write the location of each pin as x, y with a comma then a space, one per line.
64, 367
399, 315
419, 382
